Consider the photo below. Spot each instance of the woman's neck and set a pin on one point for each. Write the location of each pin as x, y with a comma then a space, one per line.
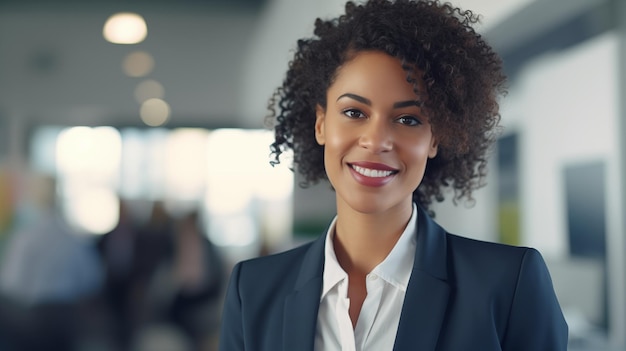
363, 240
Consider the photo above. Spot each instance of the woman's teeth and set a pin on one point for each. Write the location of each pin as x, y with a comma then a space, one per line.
372, 173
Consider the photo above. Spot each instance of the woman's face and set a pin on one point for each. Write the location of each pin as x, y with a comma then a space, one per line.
376, 138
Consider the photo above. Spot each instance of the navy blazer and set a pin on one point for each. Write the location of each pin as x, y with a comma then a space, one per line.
463, 294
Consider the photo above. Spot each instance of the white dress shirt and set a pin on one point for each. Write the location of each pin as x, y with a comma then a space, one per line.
380, 314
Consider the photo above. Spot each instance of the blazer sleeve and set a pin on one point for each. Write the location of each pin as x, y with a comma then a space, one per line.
536, 321
231, 333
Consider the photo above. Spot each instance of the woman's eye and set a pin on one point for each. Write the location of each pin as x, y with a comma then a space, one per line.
351, 113
409, 120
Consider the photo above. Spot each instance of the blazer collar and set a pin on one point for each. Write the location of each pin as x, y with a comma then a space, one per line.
428, 291
424, 305
301, 306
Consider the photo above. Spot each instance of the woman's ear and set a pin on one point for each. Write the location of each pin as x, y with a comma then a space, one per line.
434, 146
320, 115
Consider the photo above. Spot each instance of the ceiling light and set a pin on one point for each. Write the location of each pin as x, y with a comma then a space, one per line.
154, 112
125, 28
138, 64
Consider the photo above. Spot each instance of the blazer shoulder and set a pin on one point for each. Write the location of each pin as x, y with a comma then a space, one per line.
497, 266
279, 258
515, 284
461, 244
275, 271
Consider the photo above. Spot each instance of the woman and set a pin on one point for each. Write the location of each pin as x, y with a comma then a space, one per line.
392, 103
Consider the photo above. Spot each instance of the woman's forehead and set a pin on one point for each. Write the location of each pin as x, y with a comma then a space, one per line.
376, 72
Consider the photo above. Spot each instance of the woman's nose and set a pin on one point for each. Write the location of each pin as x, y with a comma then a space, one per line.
376, 136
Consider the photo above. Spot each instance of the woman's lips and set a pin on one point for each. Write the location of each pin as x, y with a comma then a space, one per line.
372, 174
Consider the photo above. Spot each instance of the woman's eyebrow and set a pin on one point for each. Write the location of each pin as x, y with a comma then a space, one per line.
356, 97
366, 101
408, 103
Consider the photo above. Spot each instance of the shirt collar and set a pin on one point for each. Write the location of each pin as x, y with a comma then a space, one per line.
333, 273
395, 268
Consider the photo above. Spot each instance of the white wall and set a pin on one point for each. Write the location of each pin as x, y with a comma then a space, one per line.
279, 26
566, 112
476, 219
564, 105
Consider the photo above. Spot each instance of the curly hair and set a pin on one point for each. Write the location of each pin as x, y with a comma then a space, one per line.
462, 75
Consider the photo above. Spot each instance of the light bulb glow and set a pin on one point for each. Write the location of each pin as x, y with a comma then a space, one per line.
138, 64
125, 28
154, 112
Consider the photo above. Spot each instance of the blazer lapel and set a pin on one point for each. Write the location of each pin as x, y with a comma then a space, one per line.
301, 306
428, 291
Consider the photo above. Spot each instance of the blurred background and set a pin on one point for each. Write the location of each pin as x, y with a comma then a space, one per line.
134, 165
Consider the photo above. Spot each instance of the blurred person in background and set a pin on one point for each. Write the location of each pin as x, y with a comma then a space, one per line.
153, 247
393, 102
51, 274
197, 271
117, 251
178, 281
198, 274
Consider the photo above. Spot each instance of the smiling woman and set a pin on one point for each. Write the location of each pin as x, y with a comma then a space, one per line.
392, 102
376, 138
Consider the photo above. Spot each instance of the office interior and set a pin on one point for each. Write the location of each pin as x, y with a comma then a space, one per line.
175, 121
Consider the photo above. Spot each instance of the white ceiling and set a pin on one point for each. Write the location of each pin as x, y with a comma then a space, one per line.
55, 66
